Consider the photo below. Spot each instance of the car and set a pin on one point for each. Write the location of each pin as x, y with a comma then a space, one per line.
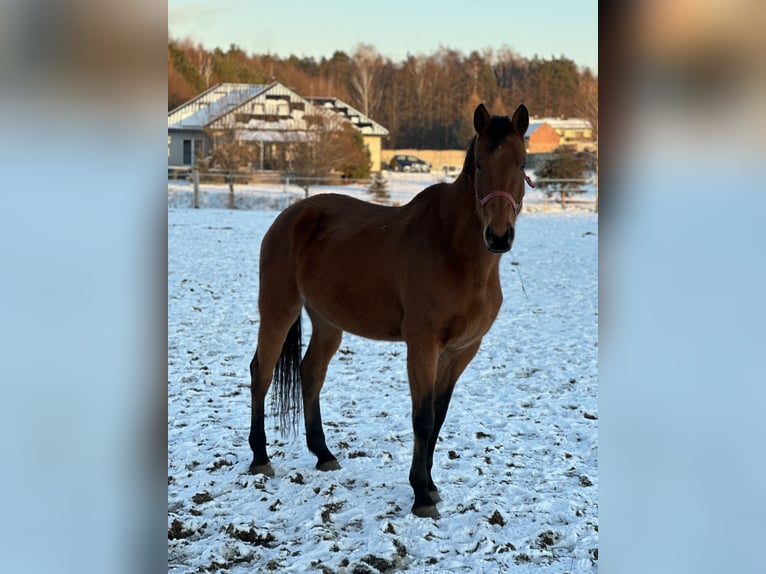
408, 163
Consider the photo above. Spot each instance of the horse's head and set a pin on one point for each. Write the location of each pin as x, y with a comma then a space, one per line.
499, 160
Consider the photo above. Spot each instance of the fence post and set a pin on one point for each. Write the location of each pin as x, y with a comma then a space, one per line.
195, 193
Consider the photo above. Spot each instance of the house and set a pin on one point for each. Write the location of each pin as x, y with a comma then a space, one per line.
267, 115
574, 132
187, 123
541, 138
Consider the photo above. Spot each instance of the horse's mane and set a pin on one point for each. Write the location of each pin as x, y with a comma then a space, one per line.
468, 163
499, 127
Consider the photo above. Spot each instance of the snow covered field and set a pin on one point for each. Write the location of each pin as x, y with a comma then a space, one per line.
517, 461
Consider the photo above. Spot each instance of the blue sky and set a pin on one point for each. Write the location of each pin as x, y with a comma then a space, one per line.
396, 28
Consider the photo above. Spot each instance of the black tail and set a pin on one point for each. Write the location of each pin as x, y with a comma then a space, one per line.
286, 400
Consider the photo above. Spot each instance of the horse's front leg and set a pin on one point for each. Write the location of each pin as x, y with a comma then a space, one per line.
421, 369
449, 368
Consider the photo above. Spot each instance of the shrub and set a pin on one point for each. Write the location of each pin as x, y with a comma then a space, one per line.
564, 164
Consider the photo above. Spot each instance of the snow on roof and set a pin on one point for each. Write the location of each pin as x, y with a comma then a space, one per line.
212, 104
223, 99
360, 121
563, 124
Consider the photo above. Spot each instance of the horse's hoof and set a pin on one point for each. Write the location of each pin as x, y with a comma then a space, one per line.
332, 464
426, 512
264, 469
435, 496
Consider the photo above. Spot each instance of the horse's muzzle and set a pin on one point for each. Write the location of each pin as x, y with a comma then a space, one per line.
498, 244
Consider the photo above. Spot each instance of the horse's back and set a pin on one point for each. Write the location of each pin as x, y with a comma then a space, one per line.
340, 255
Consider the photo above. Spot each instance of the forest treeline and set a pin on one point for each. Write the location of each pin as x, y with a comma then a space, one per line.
425, 101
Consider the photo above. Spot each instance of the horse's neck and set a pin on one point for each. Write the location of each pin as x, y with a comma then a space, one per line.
464, 224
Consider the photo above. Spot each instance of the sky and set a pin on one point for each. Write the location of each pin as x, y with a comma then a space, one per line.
396, 28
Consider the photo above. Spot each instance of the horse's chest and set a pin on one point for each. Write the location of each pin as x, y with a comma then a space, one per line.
471, 319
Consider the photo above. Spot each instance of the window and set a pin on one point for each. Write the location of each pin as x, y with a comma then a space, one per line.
187, 152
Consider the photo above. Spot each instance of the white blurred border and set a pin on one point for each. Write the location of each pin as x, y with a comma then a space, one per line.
682, 288
82, 249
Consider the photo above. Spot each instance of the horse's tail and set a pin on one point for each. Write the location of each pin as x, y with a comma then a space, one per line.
286, 400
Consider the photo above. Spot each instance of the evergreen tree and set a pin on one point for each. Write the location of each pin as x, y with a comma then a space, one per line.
379, 187
566, 168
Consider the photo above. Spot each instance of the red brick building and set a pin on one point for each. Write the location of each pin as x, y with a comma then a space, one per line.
541, 138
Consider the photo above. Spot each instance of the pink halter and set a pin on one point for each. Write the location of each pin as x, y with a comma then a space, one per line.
483, 201
504, 194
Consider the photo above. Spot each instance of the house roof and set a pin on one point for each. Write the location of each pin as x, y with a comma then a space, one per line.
360, 121
259, 115
563, 124
212, 104
533, 127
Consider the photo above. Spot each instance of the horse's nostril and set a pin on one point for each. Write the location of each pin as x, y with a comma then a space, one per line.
501, 243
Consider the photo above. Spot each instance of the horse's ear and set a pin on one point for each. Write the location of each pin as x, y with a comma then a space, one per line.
520, 119
481, 119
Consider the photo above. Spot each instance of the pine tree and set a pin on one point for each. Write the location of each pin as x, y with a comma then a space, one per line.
566, 168
379, 187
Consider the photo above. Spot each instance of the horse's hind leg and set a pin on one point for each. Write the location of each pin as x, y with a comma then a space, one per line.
325, 340
271, 337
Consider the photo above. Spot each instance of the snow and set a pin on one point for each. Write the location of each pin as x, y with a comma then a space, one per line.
401, 188
517, 460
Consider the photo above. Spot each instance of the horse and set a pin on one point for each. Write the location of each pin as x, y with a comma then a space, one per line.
426, 273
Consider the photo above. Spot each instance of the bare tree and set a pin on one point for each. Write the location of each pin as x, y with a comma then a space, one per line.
228, 153
329, 144
587, 102
587, 106
367, 78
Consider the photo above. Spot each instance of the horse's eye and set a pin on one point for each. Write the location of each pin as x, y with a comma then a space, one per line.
523, 166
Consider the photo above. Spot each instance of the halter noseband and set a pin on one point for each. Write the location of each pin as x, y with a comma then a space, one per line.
504, 194
482, 201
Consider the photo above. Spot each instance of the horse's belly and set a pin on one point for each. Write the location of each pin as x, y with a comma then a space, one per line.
367, 312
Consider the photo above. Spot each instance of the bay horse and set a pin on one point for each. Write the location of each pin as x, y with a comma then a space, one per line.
426, 273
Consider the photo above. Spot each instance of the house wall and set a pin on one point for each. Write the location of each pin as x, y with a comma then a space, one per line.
543, 140
576, 136
375, 145
176, 146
